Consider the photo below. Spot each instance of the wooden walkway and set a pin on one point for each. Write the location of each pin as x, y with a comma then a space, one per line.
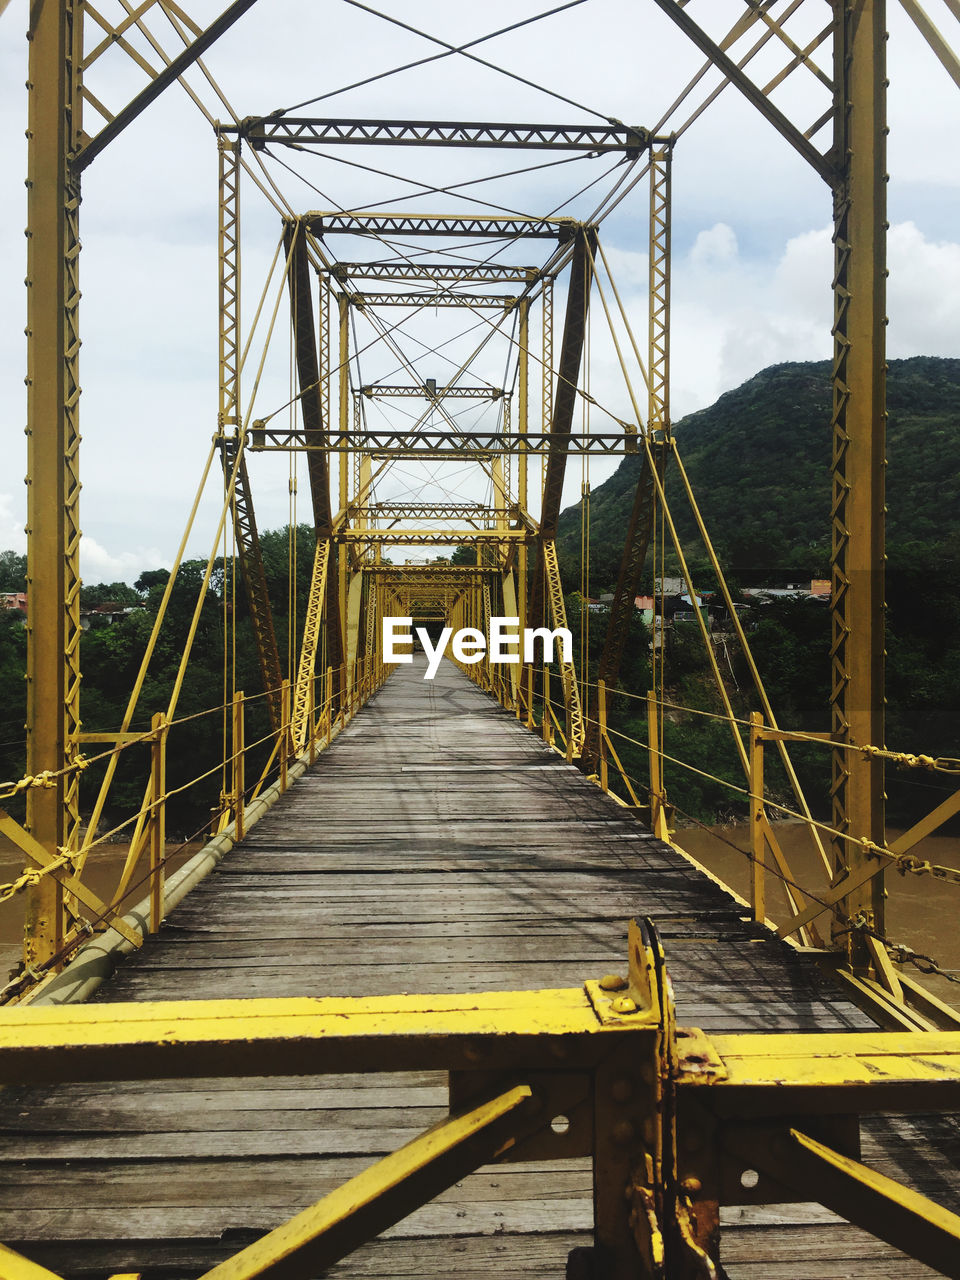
435, 847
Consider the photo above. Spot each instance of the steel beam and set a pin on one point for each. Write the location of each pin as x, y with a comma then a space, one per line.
723, 62
174, 69
266, 438
859, 428
305, 132
53, 436
414, 224
229, 424
559, 441
420, 272
445, 298
431, 392
314, 428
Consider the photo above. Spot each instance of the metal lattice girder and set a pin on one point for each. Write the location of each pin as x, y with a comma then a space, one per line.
858, 465
383, 391
636, 543
414, 224
472, 511
312, 628
229, 258
446, 298
568, 673
306, 132
254, 577
658, 362
432, 537
434, 443
423, 271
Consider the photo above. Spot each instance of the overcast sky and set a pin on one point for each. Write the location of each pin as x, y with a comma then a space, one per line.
752, 253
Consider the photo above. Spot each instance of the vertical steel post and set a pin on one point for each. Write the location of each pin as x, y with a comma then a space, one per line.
344, 495
284, 732
158, 818
602, 737
53, 435
758, 899
859, 413
658, 817
239, 764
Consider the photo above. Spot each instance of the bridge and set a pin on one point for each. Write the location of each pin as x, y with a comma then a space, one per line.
441, 992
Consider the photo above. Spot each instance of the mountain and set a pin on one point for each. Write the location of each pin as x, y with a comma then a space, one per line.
759, 463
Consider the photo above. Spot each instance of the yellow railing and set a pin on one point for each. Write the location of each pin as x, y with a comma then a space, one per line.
333, 699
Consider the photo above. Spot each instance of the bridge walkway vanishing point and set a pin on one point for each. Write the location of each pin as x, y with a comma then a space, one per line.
437, 846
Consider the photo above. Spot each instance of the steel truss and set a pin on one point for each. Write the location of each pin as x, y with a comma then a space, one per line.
386, 392
304, 133
386, 225
437, 443
419, 272
475, 301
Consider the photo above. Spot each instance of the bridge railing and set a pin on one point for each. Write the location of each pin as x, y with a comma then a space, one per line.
253, 773
896, 998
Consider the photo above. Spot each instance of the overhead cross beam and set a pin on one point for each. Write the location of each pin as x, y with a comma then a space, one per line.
264, 437
421, 271
378, 391
306, 132
413, 224
478, 301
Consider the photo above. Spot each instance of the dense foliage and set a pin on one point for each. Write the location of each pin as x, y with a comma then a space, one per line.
759, 463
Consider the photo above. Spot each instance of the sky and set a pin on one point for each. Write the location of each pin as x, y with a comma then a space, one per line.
752, 258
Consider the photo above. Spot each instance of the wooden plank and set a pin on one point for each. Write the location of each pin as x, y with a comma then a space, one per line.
455, 853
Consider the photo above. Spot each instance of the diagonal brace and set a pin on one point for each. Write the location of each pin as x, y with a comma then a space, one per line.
729, 68
383, 1194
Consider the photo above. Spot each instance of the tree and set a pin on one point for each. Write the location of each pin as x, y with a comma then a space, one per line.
13, 571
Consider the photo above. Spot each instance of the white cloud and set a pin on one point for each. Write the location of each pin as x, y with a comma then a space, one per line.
12, 536
97, 564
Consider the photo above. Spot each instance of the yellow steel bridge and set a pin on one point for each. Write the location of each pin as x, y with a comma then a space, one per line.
442, 994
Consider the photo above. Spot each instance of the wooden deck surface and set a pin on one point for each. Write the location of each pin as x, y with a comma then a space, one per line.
435, 847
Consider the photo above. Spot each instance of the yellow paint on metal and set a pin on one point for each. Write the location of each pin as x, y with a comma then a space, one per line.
381, 1195
840, 1059
901, 1216
14, 1266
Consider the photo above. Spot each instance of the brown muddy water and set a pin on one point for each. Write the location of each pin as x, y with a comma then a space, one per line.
101, 874
922, 912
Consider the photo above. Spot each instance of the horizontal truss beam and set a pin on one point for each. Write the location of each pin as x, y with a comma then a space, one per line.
478, 301
385, 392
413, 224
439, 443
432, 271
304, 132
431, 511
433, 537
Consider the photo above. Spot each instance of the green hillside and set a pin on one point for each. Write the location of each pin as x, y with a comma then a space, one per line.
759, 462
